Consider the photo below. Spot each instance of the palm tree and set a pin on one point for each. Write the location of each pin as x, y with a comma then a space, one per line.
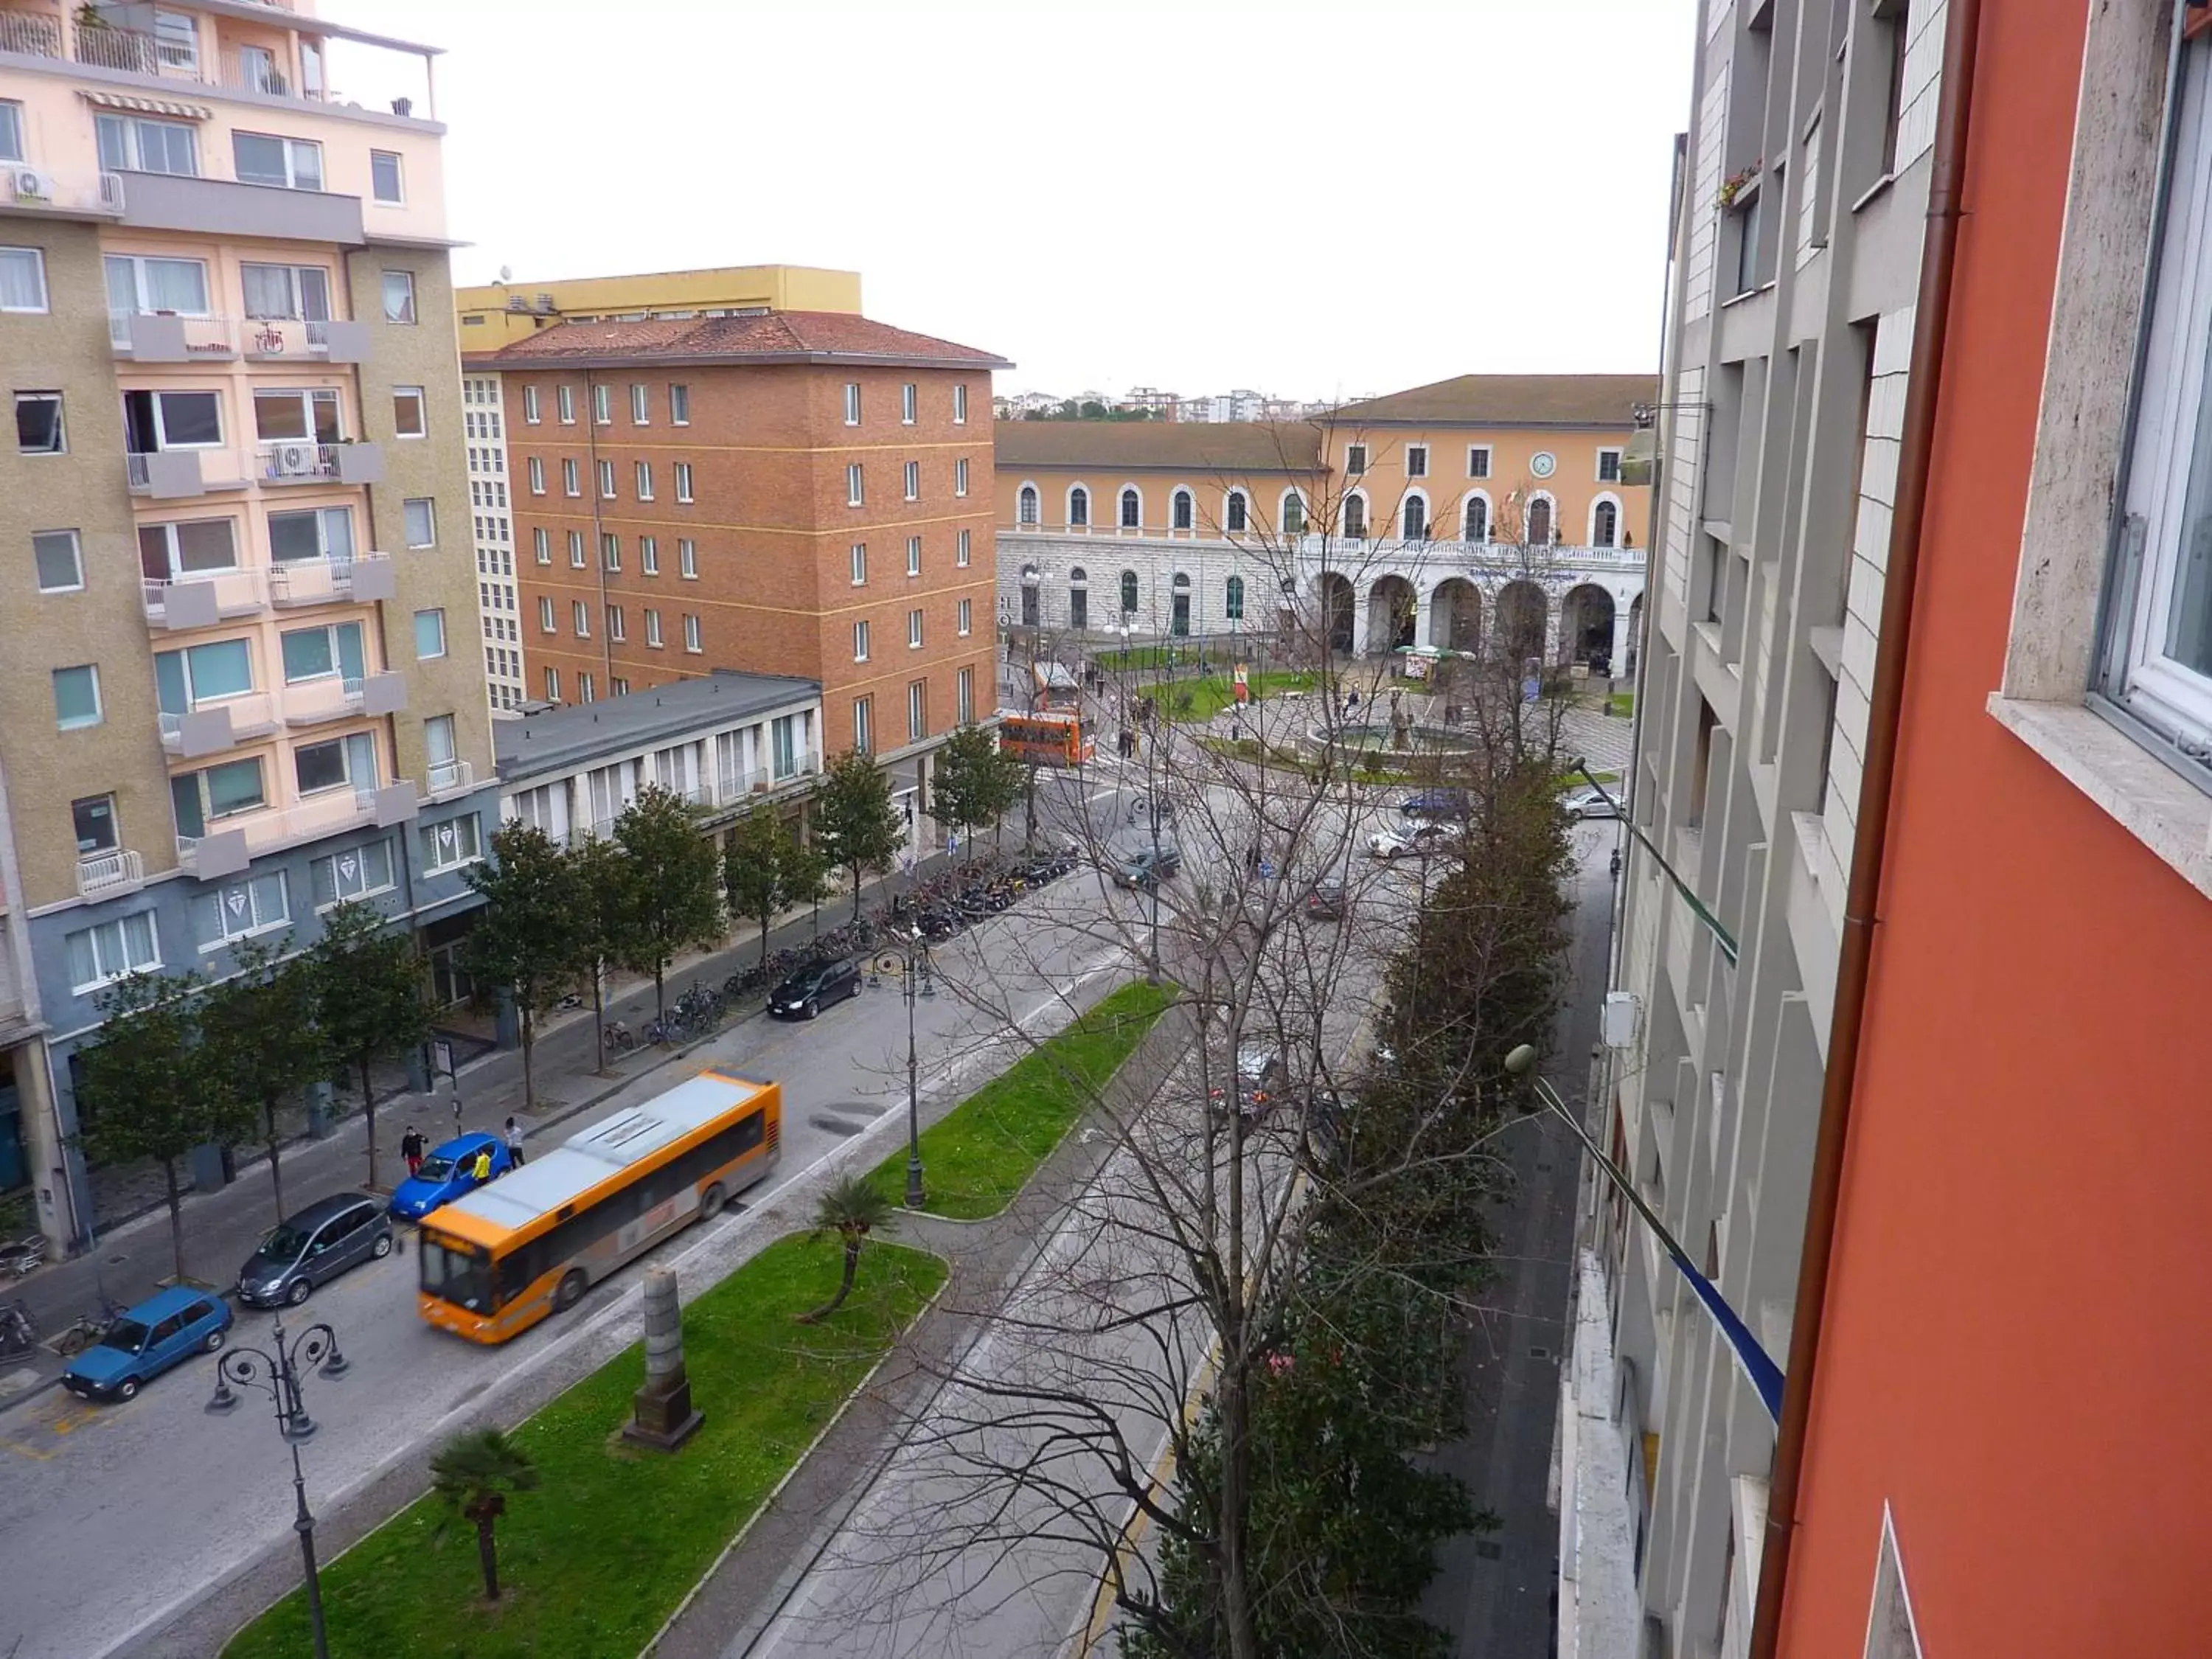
851, 1207
474, 1474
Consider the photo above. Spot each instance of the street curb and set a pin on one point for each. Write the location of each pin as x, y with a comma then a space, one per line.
768, 1503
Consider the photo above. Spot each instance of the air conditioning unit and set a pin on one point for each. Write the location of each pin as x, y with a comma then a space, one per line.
30, 185
298, 460
1617, 1021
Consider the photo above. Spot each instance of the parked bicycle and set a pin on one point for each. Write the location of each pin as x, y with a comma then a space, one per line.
19, 1332
619, 1037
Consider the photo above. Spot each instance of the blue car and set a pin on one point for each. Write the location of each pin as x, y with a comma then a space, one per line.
167, 1327
446, 1174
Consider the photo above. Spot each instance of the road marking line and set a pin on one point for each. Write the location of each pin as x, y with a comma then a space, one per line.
18, 1446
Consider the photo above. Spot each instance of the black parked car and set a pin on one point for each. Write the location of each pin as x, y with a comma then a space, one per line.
1147, 867
1326, 901
810, 990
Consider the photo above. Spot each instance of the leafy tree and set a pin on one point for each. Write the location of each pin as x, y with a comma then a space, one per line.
603, 875
369, 997
263, 1029
674, 892
851, 1206
150, 1088
766, 867
528, 938
473, 1475
855, 823
975, 783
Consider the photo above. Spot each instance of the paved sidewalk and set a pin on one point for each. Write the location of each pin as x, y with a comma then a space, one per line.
222, 1226
742, 1593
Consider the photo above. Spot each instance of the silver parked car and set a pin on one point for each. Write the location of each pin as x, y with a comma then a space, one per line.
1590, 804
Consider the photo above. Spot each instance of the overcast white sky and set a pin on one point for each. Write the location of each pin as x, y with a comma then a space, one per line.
1306, 200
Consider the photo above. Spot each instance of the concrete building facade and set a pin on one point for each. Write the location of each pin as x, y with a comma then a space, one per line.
243, 682
483, 416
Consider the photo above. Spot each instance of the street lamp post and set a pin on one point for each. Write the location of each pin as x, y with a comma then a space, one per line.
916, 979
277, 1371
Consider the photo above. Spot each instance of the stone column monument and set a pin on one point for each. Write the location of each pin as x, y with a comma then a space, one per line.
661, 1413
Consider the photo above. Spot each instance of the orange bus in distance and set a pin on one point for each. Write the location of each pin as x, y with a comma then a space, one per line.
492, 1263
1046, 738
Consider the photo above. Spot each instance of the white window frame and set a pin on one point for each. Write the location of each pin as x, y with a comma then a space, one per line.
913, 630
653, 629
537, 465
362, 888
572, 477
963, 688
967, 617
618, 624
609, 550
11, 131
1478, 469
253, 887
1235, 504
61, 422
679, 404
909, 403
912, 479
1355, 460
406, 278
959, 402
603, 404
564, 398
914, 556
856, 485
437, 614
852, 402
541, 542
83, 723
401, 394
606, 471
579, 557
859, 564
963, 546
398, 171
640, 404
648, 554
546, 624
429, 506
861, 641
531, 414
579, 619
124, 964
687, 558
1604, 450
683, 483
1413, 453
291, 147
643, 481
469, 847
34, 260
76, 561
691, 635
960, 475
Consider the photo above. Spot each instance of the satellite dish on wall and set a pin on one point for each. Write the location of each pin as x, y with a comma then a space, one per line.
506, 275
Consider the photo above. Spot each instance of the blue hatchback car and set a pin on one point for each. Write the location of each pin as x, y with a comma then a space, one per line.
170, 1326
446, 1174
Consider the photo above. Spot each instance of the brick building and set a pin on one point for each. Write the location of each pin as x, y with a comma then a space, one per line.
797, 492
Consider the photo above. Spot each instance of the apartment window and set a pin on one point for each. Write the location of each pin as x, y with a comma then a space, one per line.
537, 466
572, 477
648, 554
917, 710
606, 481
308, 653
216, 793
618, 624
1079, 506
1417, 460
1608, 467
565, 398
617, 687
959, 405
1128, 593
1181, 510
100, 955
541, 542
1414, 520
1355, 517
167, 551
290, 163
603, 405
1355, 458
1232, 605
610, 550
691, 633
653, 629
687, 559
914, 556
679, 405
142, 284
684, 482
960, 475
644, 480
962, 546
400, 296
640, 410
297, 293
580, 618
913, 630
452, 843
1132, 510
909, 403
39, 423
11, 131
914, 481
1605, 525
529, 409
129, 145
860, 564
408, 418
864, 725
967, 615
852, 402
1475, 519
1235, 516
1478, 461
386, 180
963, 691
76, 696
1025, 508
430, 634
354, 873
239, 910
422, 518
855, 486
172, 420
552, 682
861, 641
1293, 513
22, 279
303, 416
576, 550
545, 615
60, 561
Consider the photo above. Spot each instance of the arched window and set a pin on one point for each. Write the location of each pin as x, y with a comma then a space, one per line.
1355, 517
1182, 582
1478, 519
1027, 512
1540, 521
1294, 514
1605, 525
1183, 509
1078, 577
1128, 593
1234, 603
1233, 517
1079, 506
1415, 519
1179, 606
1028, 572
1079, 600
1132, 511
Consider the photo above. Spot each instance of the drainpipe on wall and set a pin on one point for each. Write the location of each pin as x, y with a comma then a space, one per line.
1862, 900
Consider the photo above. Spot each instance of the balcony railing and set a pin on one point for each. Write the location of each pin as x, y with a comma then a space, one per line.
268, 339
167, 474
452, 777
208, 728
244, 836
27, 187
298, 460
168, 337
201, 599
101, 875
334, 697
366, 576
31, 34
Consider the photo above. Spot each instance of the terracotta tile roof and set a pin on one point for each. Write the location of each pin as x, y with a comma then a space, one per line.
1509, 400
1198, 447
776, 337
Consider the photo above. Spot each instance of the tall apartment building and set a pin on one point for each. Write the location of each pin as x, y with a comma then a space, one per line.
483, 421
799, 493
1796, 267
239, 620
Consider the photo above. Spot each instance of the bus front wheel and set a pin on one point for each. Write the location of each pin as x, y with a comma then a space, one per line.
573, 1286
711, 1203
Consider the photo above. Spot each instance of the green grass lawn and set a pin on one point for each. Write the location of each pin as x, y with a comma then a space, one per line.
1210, 696
977, 1157
1622, 703
592, 1561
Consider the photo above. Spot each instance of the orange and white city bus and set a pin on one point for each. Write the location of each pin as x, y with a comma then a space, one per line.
496, 1261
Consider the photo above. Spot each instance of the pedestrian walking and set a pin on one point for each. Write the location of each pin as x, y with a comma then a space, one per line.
514, 1143
481, 1169
410, 1149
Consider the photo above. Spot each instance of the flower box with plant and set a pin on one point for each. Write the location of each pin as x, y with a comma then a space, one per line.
1737, 183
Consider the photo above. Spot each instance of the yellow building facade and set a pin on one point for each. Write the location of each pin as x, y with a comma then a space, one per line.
497, 314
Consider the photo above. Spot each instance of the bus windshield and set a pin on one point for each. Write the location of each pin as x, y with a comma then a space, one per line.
456, 1272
